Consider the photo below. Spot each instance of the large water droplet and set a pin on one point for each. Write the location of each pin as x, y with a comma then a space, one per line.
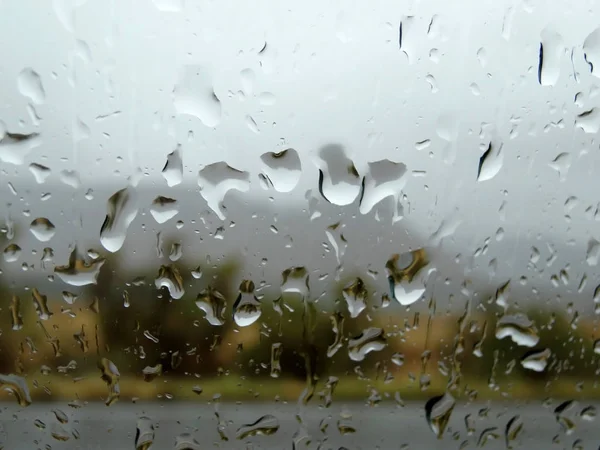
194, 95
173, 170
40, 172
185, 441
384, 179
79, 273
282, 169
295, 281
11, 253
213, 304
551, 51
17, 386
438, 411
407, 41
536, 360
339, 182
40, 302
15, 147
121, 210
370, 340
490, 162
169, 277
591, 51
42, 229
589, 121
30, 85
519, 328
246, 309
164, 209
144, 434
266, 425
355, 295
110, 375
215, 180
406, 276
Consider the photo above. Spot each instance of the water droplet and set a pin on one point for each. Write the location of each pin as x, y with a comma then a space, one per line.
490, 162
58, 432
519, 328
12, 253
593, 252
216, 179
246, 309
70, 178
355, 295
337, 326
30, 85
404, 271
370, 340
173, 170
79, 273
164, 209
295, 281
15, 313
151, 372
551, 52
110, 375
407, 41
185, 441
121, 210
432, 83
276, 352
266, 426
282, 169
40, 302
40, 173
17, 386
194, 95
144, 434
512, 430
564, 416
60, 416
536, 360
15, 147
398, 359
169, 277
42, 229
251, 123
487, 435
438, 411
561, 164
213, 304
339, 182
589, 121
384, 179
591, 51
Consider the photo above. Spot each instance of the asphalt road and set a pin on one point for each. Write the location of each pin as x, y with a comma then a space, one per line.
386, 426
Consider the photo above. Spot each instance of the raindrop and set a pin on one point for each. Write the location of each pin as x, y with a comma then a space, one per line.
17, 386
276, 352
216, 179
490, 162
40, 173
295, 281
144, 434
561, 164
151, 372
246, 309
384, 179
512, 430
591, 51
339, 182
266, 426
536, 360
15, 313
597, 346
564, 416
70, 178
12, 253
593, 252
213, 304
59, 433
487, 435
42, 229
110, 375
589, 121
15, 147
40, 302
251, 123
282, 169
355, 295
30, 85
173, 170
164, 209
78, 272
398, 359
551, 51
194, 95
121, 210
169, 277
337, 326
370, 340
519, 328
60, 416
404, 271
588, 413
438, 411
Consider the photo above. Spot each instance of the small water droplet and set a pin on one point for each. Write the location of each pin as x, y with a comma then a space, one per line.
276, 352
536, 360
30, 85
490, 162
591, 51
12, 253
370, 340
514, 427
15, 313
172, 172
265, 426
551, 52
355, 295
589, 121
40, 172
121, 210
42, 229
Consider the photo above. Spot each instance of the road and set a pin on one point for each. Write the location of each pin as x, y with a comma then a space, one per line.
386, 426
